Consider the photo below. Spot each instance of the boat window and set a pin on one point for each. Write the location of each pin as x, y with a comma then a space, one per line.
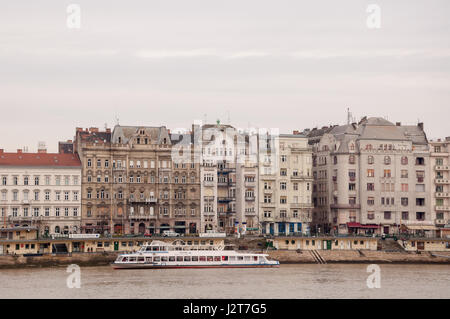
155, 248
247, 258
255, 258
216, 258
141, 259
232, 258
202, 258
148, 259
171, 258
240, 258
224, 258
132, 259
194, 258
124, 259
165, 258
210, 258
179, 258
187, 258
157, 259
163, 248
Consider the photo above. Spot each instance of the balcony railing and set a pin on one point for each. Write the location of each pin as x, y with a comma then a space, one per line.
442, 167
442, 208
250, 198
440, 222
442, 195
143, 201
441, 181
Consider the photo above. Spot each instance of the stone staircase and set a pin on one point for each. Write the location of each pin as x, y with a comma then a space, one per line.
390, 245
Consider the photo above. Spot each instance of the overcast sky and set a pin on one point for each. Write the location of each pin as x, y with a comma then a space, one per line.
284, 64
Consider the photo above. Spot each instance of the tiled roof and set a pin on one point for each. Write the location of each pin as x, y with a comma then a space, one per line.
39, 159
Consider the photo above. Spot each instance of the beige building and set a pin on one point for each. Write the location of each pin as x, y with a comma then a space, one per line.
371, 177
285, 185
229, 177
132, 186
440, 181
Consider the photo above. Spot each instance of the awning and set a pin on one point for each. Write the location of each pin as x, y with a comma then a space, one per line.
358, 225
421, 227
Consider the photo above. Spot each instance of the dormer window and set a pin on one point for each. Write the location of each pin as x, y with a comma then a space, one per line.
142, 132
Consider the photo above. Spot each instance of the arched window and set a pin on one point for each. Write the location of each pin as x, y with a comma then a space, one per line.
57, 230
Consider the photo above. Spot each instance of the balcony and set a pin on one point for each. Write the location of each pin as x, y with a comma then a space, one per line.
442, 195
208, 183
300, 177
442, 208
301, 205
345, 206
225, 199
250, 213
141, 216
441, 181
25, 202
250, 198
250, 184
143, 201
440, 221
442, 168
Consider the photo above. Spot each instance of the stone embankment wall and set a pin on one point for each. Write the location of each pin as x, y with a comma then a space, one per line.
81, 259
376, 257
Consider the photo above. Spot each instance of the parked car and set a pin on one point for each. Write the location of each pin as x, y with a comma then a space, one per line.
170, 233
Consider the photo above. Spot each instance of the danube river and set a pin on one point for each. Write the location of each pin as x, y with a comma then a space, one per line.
288, 281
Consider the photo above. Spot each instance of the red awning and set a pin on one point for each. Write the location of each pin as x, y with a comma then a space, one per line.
358, 225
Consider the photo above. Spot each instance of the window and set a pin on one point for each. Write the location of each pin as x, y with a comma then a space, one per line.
404, 201
370, 201
420, 216
405, 188
404, 160
36, 195
387, 173
351, 159
25, 180
4, 180
387, 215
36, 180
47, 195
420, 161
387, 160
89, 162
370, 173
283, 185
370, 160
370, 186
351, 186
405, 215
420, 188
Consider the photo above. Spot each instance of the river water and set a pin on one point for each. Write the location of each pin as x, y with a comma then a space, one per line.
288, 281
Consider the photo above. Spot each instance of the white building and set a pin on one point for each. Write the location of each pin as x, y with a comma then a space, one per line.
285, 185
42, 190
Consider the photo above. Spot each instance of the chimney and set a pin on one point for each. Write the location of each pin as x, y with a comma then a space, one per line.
398, 124
420, 125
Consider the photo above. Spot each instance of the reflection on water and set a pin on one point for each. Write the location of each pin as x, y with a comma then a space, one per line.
288, 281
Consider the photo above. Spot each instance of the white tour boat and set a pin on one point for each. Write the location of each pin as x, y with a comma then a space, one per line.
159, 254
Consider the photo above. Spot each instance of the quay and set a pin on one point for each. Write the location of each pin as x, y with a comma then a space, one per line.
22, 247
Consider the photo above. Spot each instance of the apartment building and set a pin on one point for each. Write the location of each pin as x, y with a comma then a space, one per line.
229, 177
132, 186
285, 184
372, 177
41, 190
440, 181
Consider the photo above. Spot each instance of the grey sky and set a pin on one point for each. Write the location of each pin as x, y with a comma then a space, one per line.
285, 64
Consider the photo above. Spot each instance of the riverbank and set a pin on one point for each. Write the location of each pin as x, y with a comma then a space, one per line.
283, 256
358, 257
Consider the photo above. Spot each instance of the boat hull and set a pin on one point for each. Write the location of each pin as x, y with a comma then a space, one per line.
156, 266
